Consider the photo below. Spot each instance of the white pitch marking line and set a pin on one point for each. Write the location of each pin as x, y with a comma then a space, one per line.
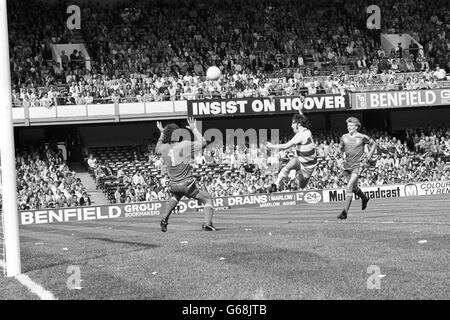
399, 222
35, 288
32, 286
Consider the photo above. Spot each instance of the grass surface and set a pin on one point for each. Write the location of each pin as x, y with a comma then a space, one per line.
298, 252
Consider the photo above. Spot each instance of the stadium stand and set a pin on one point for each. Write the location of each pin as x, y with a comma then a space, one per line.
422, 155
44, 180
158, 51
306, 47
293, 48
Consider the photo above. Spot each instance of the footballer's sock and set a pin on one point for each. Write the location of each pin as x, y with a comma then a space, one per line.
364, 198
348, 200
208, 214
360, 194
284, 173
302, 181
170, 206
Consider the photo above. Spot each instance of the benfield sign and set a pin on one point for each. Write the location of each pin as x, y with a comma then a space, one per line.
400, 99
267, 105
91, 213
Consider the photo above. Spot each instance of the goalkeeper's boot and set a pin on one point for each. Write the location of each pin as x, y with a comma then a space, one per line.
164, 224
208, 227
343, 215
364, 202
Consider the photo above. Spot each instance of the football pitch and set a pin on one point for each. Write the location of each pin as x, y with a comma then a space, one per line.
396, 249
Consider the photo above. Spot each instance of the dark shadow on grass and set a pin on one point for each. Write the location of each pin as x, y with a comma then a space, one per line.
369, 216
26, 268
43, 261
217, 229
131, 243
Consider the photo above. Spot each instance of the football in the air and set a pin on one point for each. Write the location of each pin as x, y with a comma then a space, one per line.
213, 73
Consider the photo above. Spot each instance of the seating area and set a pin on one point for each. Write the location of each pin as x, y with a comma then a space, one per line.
110, 160
120, 163
137, 61
44, 179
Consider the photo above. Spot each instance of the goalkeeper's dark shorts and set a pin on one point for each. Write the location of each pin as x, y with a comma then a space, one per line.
187, 188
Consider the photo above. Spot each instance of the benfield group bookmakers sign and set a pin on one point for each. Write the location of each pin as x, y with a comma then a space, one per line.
266, 105
156, 208
400, 99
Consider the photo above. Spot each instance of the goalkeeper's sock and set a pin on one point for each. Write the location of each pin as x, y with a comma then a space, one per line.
208, 214
170, 206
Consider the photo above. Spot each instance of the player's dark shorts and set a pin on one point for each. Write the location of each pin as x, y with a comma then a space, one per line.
355, 169
187, 188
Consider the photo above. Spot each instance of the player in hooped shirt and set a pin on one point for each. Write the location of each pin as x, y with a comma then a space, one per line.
352, 145
306, 160
177, 157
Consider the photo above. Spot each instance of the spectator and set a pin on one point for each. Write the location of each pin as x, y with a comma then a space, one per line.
413, 49
64, 60
439, 74
85, 200
92, 163
138, 179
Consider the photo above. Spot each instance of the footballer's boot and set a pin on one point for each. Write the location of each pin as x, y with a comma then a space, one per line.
364, 202
343, 215
208, 227
164, 224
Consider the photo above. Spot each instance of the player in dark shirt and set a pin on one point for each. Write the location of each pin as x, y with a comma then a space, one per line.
352, 145
177, 156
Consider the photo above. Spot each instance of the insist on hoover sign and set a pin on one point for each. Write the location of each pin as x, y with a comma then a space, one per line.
267, 105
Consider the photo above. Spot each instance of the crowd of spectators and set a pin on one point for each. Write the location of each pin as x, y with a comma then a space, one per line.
235, 86
139, 52
45, 181
415, 156
160, 50
33, 27
428, 23
420, 156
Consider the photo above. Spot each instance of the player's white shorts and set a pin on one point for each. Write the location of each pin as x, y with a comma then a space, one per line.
305, 169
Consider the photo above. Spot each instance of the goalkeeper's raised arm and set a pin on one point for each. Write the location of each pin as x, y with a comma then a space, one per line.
192, 125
